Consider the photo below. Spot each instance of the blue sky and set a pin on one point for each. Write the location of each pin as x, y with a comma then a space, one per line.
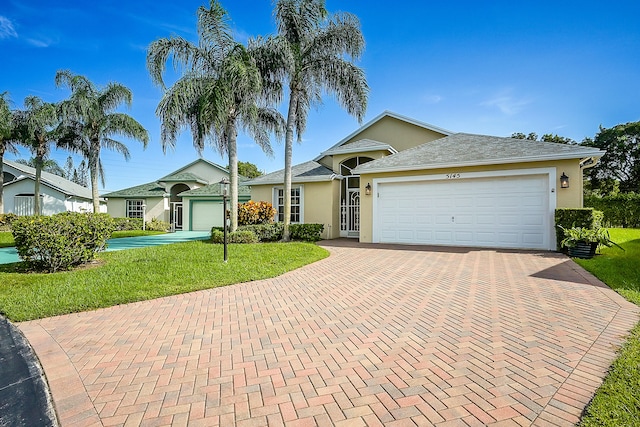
487, 67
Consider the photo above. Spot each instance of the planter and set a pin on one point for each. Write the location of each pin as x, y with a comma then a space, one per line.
584, 250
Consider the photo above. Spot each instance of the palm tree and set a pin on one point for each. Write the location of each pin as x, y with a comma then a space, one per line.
89, 122
313, 52
7, 138
36, 128
221, 91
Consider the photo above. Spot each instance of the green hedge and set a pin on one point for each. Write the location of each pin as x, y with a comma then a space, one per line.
265, 232
6, 220
61, 241
306, 232
246, 236
583, 218
127, 224
621, 210
156, 225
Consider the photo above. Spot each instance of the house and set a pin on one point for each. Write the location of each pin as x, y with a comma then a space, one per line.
189, 198
57, 194
399, 180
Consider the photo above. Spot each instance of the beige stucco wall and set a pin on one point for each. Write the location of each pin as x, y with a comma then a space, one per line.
320, 203
339, 158
565, 197
156, 208
206, 171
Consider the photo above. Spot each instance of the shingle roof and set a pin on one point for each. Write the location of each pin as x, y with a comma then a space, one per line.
214, 190
183, 177
463, 149
57, 182
151, 189
360, 146
305, 172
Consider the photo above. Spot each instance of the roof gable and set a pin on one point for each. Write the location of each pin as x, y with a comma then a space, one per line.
305, 172
56, 182
196, 162
463, 149
385, 119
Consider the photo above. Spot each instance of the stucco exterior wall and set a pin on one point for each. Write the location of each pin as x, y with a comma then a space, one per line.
206, 171
565, 197
53, 201
339, 158
157, 207
320, 203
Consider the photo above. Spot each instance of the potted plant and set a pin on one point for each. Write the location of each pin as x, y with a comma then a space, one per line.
583, 242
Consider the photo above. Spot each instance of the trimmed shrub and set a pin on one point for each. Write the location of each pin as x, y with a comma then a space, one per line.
265, 232
620, 210
6, 220
156, 225
127, 224
587, 218
251, 213
61, 241
245, 236
306, 232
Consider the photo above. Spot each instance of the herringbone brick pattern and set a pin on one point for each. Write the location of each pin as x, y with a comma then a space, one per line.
371, 336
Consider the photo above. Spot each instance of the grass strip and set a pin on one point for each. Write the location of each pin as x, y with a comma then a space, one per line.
141, 274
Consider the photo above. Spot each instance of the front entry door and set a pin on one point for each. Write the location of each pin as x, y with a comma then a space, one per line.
350, 207
176, 216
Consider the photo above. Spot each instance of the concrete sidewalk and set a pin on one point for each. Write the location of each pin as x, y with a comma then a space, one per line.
373, 335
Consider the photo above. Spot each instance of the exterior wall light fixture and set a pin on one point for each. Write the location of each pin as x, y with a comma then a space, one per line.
367, 189
564, 181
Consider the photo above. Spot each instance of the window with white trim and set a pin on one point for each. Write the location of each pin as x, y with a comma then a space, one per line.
135, 208
296, 204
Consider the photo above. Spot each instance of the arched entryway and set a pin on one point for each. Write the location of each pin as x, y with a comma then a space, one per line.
176, 205
350, 197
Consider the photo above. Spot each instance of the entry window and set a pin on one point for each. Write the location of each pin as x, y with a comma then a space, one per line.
135, 209
296, 204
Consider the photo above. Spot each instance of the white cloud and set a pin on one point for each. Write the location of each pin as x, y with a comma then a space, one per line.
40, 42
6, 28
432, 99
507, 103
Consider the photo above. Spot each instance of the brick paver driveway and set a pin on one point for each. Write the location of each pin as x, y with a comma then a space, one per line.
372, 335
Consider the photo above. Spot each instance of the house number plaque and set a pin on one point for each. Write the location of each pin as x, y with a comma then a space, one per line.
452, 176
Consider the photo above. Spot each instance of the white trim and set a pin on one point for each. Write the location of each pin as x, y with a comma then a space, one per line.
550, 172
274, 195
379, 117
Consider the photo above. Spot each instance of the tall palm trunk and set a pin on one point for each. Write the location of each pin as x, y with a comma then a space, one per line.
288, 154
233, 172
94, 157
39, 160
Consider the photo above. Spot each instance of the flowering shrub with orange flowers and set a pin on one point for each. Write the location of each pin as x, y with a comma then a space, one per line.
251, 213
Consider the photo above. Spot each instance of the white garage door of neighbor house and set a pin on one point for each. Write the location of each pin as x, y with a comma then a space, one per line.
499, 212
205, 215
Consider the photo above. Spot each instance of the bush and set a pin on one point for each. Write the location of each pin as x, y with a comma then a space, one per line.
61, 241
251, 213
265, 232
127, 224
6, 220
156, 225
245, 236
620, 210
586, 218
306, 232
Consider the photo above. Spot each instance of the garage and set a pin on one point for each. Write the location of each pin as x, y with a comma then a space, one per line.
205, 214
495, 211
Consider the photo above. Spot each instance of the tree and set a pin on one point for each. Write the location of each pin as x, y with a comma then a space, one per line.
48, 165
547, 137
36, 128
7, 138
621, 161
76, 174
248, 170
221, 90
313, 53
90, 120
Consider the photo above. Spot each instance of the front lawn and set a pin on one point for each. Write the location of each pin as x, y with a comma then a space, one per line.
6, 239
141, 274
617, 401
134, 233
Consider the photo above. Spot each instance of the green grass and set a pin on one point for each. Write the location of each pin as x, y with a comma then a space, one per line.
146, 273
6, 239
617, 401
134, 233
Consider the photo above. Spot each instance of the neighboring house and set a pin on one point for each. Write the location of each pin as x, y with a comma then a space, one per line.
57, 194
189, 198
398, 180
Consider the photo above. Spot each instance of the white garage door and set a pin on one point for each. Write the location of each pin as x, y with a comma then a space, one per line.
502, 212
205, 215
